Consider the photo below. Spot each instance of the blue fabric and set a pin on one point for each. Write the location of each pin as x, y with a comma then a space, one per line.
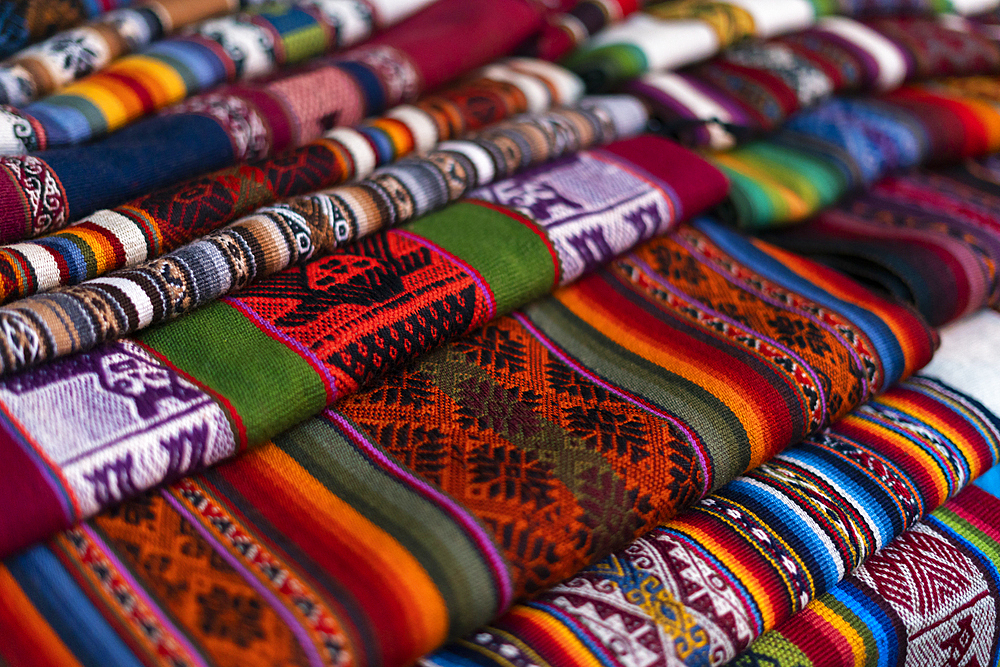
137, 160
77, 622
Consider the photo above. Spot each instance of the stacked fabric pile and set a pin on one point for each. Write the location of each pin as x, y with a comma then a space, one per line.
500, 332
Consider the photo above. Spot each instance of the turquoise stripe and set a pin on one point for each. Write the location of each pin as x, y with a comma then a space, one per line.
886, 345
64, 605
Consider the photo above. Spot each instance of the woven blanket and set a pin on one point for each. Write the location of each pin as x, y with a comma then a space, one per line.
565, 31
930, 597
73, 319
158, 222
73, 54
237, 47
241, 370
249, 122
848, 144
674, 34
699, 588
27, 21
754, 86
482, 472
930, 238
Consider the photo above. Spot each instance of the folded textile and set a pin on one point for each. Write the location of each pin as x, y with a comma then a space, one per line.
930, 238
161, 221
483, 471
845, 144
229, 48
699, 588
73, 54
930, 597
27, 21
242, 369
564, 31
674, 34
754, 86
294, 231
248, 122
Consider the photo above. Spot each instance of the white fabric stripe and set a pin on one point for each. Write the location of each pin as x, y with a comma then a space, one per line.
969, 358
485, 170
974, 6
393, 11
42, 263
569, 87
785, 502
135, 294
536, 92
421, 126
666, 44
361, 151
777, 17
891, 61
701, 105
128, 233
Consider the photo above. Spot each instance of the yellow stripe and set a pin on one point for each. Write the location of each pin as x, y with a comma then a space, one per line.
162, 82
788, 204
842, 627
107, 98
569, 644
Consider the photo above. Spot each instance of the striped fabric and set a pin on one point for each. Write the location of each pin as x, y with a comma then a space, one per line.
23, 23
948, 571
294, 231
674, 34
929, 598
930, 238
565, 31
249, 122
247, 367
158, 222
846, 144
75, 53
229, 48
696, 590
699, 588
755, 86
483, 471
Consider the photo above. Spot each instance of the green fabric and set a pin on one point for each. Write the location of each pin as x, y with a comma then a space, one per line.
276, 391
451, 559
519, 269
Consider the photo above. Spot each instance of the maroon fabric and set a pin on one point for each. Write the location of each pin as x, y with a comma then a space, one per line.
453, 36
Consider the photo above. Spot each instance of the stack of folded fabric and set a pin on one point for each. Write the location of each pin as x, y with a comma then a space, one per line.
521, 333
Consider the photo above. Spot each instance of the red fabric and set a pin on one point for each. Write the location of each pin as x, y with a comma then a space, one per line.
696, 183
453, 36
26, 485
